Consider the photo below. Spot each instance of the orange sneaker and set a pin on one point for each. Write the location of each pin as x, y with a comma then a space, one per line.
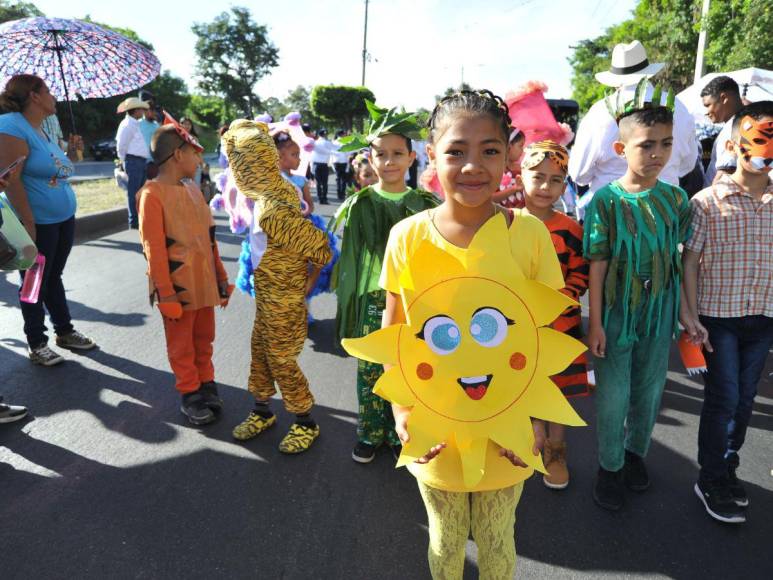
555, 462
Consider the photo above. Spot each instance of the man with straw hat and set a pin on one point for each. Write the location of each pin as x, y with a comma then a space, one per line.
133, 151
593, 161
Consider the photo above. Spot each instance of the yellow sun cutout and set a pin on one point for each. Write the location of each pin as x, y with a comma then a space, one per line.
474, 359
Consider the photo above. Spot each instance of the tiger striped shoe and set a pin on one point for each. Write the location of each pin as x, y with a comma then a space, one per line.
299, 438
253, 426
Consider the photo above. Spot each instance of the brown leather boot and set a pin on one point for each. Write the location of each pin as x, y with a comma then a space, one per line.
555, 462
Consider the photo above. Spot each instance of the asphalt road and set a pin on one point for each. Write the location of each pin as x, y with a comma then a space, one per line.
107, 480
89, 169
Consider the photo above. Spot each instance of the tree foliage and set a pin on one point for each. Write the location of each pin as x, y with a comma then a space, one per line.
16, 10
738, 37
208, 110
234, 53
451, 90
340, 105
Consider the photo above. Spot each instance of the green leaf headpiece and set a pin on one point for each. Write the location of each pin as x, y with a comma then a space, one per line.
383, 122
620, 108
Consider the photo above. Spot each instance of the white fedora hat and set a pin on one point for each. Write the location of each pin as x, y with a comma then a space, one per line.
629, 65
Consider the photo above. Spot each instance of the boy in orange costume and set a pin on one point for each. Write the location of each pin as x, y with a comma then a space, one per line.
186, 275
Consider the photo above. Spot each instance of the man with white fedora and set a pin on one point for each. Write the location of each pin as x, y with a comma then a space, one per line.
133, 152
593, 161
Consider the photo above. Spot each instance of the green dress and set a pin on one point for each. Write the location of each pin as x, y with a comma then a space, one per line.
367, 218
639, 234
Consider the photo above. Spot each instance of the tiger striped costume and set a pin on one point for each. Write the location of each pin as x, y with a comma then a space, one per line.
293, 242
566, 235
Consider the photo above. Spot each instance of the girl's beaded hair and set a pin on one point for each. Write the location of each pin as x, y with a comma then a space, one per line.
481, 102
282, 139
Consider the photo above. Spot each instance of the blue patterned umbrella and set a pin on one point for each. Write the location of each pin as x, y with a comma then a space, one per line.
74, 58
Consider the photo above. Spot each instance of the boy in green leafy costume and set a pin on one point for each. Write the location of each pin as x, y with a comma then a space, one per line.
367, 217
632, 232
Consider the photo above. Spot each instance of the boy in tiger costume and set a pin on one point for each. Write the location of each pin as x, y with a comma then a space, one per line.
292, 243
543, 180
185, 272
728, 281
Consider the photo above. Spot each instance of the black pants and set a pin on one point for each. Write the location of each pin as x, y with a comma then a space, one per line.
413, 175
342, 178
321, 174
54, 241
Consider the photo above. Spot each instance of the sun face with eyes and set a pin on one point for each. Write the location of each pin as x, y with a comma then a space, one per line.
474, 359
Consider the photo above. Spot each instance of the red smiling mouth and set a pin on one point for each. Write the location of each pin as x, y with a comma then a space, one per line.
475, 387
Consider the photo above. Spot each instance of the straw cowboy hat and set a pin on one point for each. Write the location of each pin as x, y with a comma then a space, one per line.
131, 103
629, 65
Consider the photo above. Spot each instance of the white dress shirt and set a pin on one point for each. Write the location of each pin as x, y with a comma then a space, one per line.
593, 161
129, 139
338, 156
322, 150
719, 155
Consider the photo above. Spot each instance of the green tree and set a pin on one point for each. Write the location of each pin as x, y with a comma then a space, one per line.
208, 110
340, 105
234, 53
171, 93
451, 90
738, 37
299, 100
422, 116
16, 10
589, 57
276, 108
127, 32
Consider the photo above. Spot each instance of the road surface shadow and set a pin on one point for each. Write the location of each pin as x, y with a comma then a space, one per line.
211, 514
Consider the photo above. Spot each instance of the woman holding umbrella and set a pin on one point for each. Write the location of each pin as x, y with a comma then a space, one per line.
45, 202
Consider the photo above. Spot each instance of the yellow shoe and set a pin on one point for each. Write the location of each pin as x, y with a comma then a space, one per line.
299, 438
253, 426
555, 463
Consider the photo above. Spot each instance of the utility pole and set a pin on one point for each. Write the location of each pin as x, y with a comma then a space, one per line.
365, 44
700, 66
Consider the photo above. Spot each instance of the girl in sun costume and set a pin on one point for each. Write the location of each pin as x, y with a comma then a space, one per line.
471, 363
292, 242
367, 216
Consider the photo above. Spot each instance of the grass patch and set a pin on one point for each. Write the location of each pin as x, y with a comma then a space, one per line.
102, 194
98, 195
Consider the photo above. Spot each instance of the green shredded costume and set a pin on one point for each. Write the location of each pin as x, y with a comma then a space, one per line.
367, 217
639, 234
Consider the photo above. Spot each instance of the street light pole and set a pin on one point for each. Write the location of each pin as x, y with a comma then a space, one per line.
365, 44
700, 65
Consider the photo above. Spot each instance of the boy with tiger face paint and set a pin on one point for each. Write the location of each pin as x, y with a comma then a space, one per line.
728, 269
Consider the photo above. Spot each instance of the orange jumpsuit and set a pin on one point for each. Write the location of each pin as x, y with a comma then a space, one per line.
178, 237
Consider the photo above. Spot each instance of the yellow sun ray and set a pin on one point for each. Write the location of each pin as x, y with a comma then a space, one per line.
378, 347
423, 436
392, 387
546, 401
473, 455
519, 438
435, 263
562, 348
545, 304
480, 259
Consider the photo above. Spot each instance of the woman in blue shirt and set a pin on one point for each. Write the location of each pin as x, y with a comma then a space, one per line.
45, 202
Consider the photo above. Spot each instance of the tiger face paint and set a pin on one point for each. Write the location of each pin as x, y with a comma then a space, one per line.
755, 142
